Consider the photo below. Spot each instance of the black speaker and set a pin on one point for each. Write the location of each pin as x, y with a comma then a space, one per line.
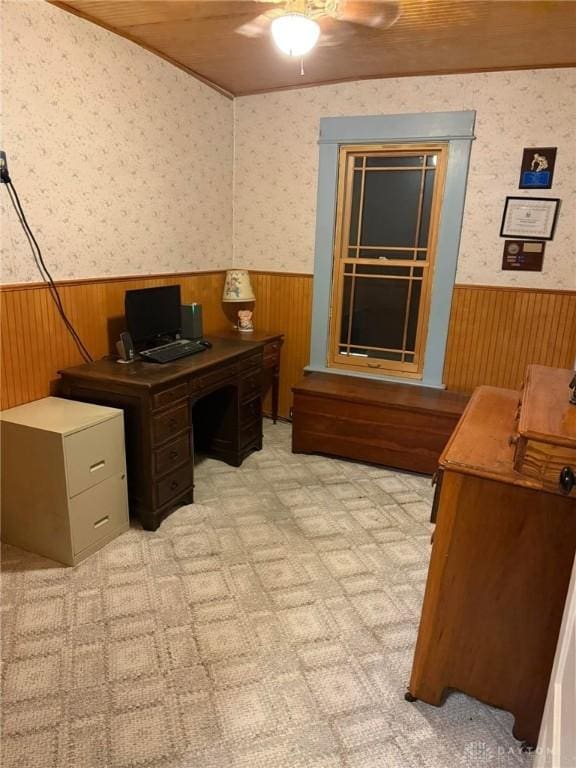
125, 347
191, 321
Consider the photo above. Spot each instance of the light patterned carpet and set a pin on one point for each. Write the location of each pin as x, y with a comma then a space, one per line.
269, 625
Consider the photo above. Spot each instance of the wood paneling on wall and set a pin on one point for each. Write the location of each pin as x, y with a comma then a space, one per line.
284, 303
494, 332
35, 344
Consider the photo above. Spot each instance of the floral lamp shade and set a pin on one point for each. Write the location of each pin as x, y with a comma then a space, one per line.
237, 286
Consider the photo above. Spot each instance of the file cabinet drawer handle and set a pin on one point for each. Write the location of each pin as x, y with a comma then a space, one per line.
102, 521
98, 465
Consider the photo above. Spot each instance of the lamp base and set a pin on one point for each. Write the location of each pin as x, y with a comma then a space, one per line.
245, 324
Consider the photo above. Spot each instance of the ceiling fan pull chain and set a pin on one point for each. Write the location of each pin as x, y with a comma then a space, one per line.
301, 65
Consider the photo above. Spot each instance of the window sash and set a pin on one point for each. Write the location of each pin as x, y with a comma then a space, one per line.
422, 258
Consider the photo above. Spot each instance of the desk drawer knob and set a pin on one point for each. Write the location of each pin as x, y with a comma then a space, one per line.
567, 479
173, 454
172, 422
173, 485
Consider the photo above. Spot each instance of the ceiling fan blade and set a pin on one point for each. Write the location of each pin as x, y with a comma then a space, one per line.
335, 32
258, 27
369, 13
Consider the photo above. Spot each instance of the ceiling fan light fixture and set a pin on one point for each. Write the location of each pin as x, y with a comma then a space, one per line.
295, 34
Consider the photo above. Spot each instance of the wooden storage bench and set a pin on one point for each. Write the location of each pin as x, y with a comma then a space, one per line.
396, 425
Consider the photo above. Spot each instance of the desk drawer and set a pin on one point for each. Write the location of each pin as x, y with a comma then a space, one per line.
272, 354
172, 454
251, 385
253, 361
171, 423
168, 396
94, 454
98, 512
217, 377
174, 484
251, 411
250, 433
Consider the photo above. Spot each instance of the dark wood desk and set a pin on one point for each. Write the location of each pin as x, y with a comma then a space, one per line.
214, 397
272, 348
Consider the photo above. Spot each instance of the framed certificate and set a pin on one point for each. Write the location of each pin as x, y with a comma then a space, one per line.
533, 218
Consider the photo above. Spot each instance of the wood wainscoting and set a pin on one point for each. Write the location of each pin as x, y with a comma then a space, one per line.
35, 343
284, 303
494, 332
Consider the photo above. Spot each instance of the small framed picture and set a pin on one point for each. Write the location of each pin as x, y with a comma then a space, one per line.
523, 255
537, 169
530, 218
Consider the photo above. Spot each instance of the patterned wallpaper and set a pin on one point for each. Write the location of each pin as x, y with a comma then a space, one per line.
122, 161
276, 157
125, 163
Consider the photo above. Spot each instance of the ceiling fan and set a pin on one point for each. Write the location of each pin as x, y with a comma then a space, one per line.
295, 25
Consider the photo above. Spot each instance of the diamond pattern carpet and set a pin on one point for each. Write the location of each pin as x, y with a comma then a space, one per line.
269, 625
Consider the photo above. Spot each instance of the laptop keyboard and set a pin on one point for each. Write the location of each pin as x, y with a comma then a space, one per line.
173, 351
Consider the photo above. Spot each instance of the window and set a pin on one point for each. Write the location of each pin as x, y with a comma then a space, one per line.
387, 217
449, 135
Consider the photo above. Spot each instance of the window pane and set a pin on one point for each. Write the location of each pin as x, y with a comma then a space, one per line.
413, 314
343, 349
346, 296
386, 355
426, 208
381, 270
390, 208
356, 190
358, 162
378, 312
383, 255
390, 161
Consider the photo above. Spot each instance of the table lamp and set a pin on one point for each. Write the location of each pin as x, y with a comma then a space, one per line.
237, 288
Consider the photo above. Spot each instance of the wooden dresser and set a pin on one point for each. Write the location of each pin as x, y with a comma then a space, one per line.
503, 550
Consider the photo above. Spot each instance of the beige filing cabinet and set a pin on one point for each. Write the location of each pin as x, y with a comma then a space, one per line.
64, 491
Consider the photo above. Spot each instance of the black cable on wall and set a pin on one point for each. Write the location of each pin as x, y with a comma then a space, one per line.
39, 259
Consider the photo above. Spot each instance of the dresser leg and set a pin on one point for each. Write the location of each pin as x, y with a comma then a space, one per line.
526, 728
408, 697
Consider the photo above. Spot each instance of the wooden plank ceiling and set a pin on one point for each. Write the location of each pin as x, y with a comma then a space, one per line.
416, 37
